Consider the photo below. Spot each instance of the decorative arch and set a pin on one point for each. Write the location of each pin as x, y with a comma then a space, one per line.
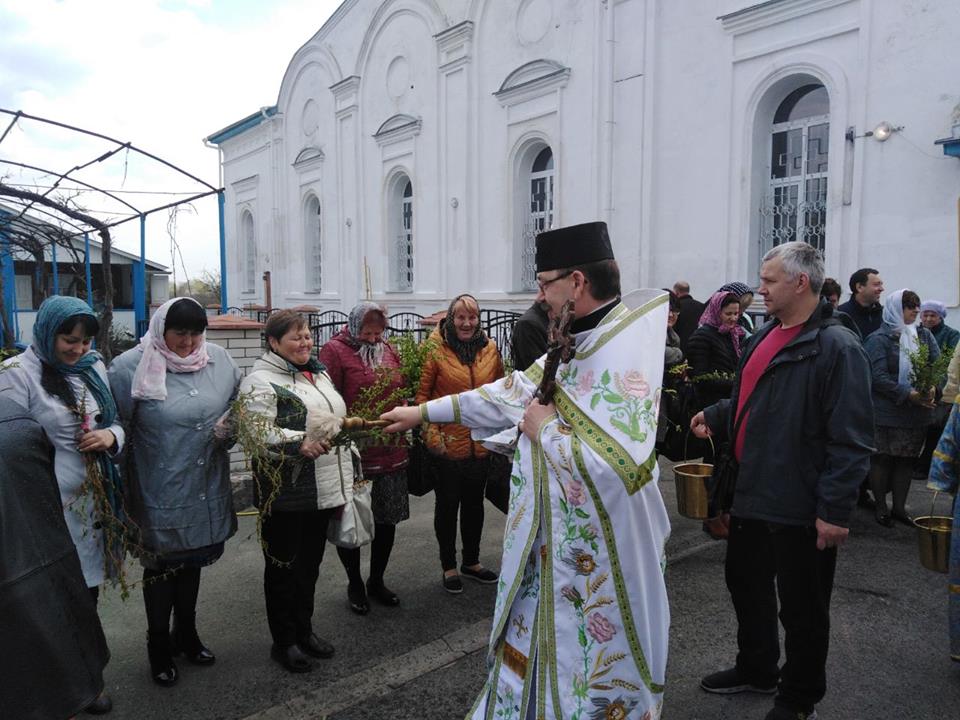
533, 192
537, 76
308, 57
770, 88
426, 10
312, 242
400, 206
397, 127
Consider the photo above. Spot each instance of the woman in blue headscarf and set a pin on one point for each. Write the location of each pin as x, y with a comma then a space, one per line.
63, 384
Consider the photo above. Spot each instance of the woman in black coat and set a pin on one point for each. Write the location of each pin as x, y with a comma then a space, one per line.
714, 349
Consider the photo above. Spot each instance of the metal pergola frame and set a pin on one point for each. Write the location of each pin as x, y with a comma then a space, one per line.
31, 204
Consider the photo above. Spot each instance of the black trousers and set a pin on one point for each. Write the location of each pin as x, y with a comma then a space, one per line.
294, 549
460, 486
767, 561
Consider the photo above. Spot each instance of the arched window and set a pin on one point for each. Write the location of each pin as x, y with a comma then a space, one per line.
312, 243
400, 233
248, 245
795, 204
540, 192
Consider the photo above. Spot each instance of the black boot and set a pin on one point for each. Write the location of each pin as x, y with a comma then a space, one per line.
185, 640
162, 667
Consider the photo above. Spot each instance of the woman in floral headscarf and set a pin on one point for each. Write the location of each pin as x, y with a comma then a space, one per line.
63, 384
465, 359
358, 358
901, 412
171, 391
713, 350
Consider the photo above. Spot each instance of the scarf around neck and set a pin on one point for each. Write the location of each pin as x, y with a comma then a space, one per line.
909, 337
711, 317
54, 311
370, 354
465, 350
150, 378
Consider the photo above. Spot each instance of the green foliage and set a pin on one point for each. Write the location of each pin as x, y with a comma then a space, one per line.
413, 355
926, 374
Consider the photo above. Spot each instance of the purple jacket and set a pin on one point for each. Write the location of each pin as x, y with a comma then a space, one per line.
350, 376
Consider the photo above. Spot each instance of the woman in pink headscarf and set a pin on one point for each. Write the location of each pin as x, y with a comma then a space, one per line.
713, 351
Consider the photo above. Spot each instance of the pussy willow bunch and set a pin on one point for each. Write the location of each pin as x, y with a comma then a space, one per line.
925, 375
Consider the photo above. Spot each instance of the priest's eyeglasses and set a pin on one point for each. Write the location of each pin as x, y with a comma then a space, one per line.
542, 284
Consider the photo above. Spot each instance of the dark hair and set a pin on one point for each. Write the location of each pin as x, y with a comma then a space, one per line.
604, 278
281, 322
910, 300
91, 326
830, 287
673, 300
729, 299
860, 277
186, 314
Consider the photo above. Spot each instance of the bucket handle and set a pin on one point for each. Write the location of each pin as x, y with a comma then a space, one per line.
686, 447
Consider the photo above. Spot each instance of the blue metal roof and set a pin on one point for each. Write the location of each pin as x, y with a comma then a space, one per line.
241, 126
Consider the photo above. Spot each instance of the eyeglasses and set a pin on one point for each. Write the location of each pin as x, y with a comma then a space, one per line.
542, 284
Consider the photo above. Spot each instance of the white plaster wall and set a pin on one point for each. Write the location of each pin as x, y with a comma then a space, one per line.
656, 132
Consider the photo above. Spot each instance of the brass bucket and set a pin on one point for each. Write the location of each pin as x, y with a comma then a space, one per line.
692, 498
933, 535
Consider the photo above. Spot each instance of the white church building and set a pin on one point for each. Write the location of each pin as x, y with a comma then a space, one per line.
417, 146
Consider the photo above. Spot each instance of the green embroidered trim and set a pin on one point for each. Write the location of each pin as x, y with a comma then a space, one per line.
634, 476
492, 687
548, 656
527, 547
424, 416
623, 599
620, 322
531, 663
456, 408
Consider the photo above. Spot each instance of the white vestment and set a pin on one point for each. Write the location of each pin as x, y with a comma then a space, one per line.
581, 616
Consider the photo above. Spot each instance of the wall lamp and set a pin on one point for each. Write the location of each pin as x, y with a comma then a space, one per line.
881, 133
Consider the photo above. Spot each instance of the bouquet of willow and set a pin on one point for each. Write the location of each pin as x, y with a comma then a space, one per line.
927, 374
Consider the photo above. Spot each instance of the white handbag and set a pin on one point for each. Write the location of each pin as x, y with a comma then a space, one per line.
354, 527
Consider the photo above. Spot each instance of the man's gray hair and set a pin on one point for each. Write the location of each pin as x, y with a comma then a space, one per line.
800, 257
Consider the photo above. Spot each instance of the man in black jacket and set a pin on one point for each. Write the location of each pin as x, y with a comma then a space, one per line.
529, 338
690, 312
864, 306
800, 420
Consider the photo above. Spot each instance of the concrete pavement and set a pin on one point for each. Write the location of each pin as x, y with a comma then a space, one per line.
425, 659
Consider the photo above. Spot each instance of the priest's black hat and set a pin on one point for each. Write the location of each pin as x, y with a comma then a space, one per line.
572, 246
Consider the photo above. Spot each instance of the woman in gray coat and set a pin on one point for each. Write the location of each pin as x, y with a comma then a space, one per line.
171, 391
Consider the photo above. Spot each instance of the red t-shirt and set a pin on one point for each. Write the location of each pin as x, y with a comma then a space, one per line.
768, 348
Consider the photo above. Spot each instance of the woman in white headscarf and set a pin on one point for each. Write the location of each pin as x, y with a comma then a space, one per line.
901, 411
171, 390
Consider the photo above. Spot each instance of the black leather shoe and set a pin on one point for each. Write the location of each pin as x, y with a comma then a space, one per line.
291, 658
382, 594
483, 575
101, 706
357, 598
185, 640
903, 518
315, 646
162, 668
885, 520
453, 584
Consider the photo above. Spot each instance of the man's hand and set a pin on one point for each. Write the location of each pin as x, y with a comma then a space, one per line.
698, 424
829, 536
402, 418
96, 441
533, 417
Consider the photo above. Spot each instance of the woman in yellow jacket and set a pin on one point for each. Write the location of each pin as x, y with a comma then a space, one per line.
464, 359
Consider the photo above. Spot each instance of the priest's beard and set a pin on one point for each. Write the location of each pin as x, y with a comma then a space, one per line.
371, 354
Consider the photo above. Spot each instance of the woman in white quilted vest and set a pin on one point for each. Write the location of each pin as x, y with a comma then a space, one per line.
285, 385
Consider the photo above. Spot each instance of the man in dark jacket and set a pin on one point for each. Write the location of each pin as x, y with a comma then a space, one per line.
54, 651
864, 306
529, 339
690, 312
800, 420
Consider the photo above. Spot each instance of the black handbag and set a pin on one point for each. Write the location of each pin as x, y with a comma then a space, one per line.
723, 482
497, 490
421, 469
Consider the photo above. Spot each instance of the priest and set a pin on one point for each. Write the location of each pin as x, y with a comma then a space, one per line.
581, 615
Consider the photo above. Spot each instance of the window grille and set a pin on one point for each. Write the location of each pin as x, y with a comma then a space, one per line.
314, 245
404, 241
541, 200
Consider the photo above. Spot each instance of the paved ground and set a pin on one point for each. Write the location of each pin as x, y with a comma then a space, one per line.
425, 659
